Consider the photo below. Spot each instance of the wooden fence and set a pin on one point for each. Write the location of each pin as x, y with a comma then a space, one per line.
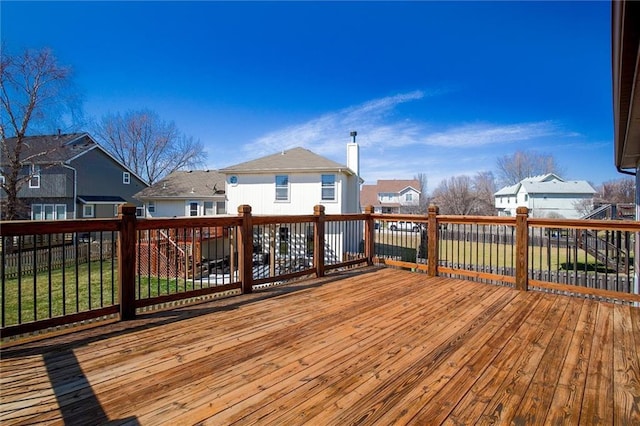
28, 262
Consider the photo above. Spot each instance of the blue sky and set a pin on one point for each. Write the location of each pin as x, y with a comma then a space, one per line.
441, 88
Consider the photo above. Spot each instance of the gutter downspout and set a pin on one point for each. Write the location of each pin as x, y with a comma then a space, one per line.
626, 172
75, 189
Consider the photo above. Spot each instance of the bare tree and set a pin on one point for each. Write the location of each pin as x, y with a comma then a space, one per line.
484, 186
148, 145
455, 196
424, 199
463, 195
617, 191
523, 164
35, 90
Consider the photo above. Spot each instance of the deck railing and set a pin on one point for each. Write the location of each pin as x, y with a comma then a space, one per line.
60, 272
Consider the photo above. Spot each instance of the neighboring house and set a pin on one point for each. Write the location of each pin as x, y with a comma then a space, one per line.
545, 196
72, 177
391, 196
185, 193
292, 182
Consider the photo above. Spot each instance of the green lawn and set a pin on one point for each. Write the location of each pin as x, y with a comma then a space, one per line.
59, 292
404, 246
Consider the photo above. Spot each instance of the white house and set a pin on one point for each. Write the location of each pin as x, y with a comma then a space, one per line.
391, 196
292, 182
546, 196
185, 193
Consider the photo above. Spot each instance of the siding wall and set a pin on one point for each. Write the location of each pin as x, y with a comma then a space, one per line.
258, 191
98, 174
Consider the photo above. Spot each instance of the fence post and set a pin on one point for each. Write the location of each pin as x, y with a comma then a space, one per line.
318, 240
522, 249
245, 249
432, 241
369, 235
127, 261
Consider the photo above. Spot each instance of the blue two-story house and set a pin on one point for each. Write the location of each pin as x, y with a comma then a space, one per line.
70, 176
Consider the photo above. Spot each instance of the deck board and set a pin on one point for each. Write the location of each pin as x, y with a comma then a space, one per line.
380, 346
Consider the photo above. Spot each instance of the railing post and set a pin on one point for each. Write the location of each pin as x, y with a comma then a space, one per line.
127, 261
522, 249
318, 240
432, 241
369, 235
245, 249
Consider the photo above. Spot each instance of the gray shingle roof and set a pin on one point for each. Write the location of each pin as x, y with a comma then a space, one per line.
47, 149
548, 184
292, 160
186, 184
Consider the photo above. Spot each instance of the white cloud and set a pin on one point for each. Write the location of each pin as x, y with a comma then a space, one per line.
328, 133
488, 134
396, 147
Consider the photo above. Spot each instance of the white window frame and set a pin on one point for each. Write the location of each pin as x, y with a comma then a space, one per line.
126, 178
328, 186
58, 211
408, 196
139, 211
190, 210
208, 208
221, 207
281, 188
151, 206
34, 180
88, 210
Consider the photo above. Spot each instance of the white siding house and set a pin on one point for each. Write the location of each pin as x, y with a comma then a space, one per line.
185, 193
292, 182
545, 196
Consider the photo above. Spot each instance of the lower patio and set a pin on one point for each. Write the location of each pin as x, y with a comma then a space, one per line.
371, 346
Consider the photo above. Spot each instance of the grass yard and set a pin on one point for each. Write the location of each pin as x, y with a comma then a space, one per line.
64, 291
405, 245
58, 292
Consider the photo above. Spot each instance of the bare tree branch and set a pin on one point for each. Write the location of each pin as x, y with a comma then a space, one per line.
523, 164
34, 89
148, 145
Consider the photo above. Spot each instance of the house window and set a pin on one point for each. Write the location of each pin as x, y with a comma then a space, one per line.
208, 208
221, 207
408, 196
34, 180
526, 198
126, 178
36, 212
282, 188
88, 210
328, 187
139, 211
193, 208
48, 211
61, 211
151, 206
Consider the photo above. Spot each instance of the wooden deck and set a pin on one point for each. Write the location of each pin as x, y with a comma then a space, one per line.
380, 346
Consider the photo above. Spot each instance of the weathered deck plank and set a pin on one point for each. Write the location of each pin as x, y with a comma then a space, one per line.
378, 347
